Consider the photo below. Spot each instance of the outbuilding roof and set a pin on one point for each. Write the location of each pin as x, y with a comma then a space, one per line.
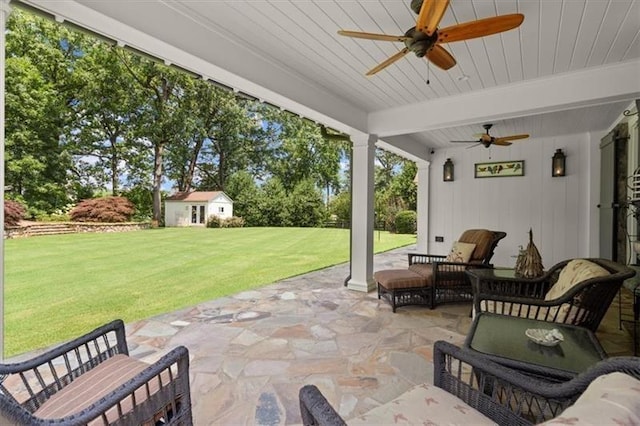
195, 196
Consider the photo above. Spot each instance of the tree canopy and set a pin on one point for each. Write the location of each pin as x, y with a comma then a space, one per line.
85, 119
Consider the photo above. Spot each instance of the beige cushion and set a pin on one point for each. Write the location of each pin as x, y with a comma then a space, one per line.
93, 385
460, 252
423, 405
611, 399
573, 273
392, 279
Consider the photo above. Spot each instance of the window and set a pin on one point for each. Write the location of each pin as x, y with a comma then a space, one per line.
221, 209
194, 214
201, 214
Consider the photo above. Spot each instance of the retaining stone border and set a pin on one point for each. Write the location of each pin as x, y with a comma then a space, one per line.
55, 228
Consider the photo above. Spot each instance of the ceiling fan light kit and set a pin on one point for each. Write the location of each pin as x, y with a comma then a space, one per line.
425, 38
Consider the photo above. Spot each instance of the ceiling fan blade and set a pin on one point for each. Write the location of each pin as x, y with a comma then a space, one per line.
465, 141
372, 36
439, 57
388, 61
512, 138
480, 28
473, 146
430, 15
501, 143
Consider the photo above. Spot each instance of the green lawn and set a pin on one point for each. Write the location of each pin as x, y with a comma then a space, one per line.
58, 287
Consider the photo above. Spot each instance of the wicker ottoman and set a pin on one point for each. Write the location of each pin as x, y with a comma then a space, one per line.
402, 287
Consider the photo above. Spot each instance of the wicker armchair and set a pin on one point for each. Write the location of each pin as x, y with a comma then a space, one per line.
448, 280
502, 395
584, 304
92, 381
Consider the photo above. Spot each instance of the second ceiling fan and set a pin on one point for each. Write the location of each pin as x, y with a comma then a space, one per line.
487, 140
425, 38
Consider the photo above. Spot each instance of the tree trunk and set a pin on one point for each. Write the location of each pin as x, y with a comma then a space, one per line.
158, 151
188, 181
114, 166
222, 165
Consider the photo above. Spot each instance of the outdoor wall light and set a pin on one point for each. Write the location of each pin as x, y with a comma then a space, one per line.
447, 171
558, 164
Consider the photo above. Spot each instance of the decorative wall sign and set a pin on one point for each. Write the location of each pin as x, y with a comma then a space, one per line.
499, 169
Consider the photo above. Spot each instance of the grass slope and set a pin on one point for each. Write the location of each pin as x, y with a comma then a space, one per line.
59, 287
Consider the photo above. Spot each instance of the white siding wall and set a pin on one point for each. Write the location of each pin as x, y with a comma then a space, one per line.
214, 208
559, 210
176, 214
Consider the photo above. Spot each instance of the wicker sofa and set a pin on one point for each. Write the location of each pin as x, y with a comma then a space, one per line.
469, 389
92, 381
432, 279
575, 291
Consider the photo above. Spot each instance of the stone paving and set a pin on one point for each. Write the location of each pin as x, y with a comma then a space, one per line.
251, 352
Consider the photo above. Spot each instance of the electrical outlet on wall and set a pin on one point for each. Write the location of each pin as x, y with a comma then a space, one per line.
439, 239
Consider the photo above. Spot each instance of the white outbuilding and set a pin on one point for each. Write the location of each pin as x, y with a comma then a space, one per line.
193, 208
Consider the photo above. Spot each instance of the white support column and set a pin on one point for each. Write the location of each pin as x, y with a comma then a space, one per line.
422, 243
362, 214
5, 11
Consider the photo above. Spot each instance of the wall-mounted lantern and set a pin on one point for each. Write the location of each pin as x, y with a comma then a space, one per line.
447, 171
558, 163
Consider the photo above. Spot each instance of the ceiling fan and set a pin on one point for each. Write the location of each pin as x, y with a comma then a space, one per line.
425, 38
487, 140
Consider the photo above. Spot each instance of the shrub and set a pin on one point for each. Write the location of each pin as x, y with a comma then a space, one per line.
214, 221
233, 222
58, 215
13, 212
53, 217
106, 209
406, 222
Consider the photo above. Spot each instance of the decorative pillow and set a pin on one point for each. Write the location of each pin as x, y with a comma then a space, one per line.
573, 273
611, 399
460, 252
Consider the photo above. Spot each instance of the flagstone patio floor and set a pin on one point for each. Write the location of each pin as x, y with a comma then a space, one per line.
251, 352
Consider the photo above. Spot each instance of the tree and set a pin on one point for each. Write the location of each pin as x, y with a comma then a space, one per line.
395, 189
106, 115
272, 204
300, 152
305, 205
41, 57
340, 206
225, 139
245, 195
164, 121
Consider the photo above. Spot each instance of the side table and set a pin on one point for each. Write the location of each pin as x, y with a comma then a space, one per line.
504, 281
502, 339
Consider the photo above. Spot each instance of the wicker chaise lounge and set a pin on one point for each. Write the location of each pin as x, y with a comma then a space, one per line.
92, 381
469, 389
434, 279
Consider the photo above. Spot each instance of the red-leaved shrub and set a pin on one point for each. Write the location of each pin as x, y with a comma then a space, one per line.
13, 212
106, 209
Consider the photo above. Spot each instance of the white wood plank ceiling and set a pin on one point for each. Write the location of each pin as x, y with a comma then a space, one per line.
292, 45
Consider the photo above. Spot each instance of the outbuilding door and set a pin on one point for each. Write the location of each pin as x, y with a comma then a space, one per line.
197, 215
